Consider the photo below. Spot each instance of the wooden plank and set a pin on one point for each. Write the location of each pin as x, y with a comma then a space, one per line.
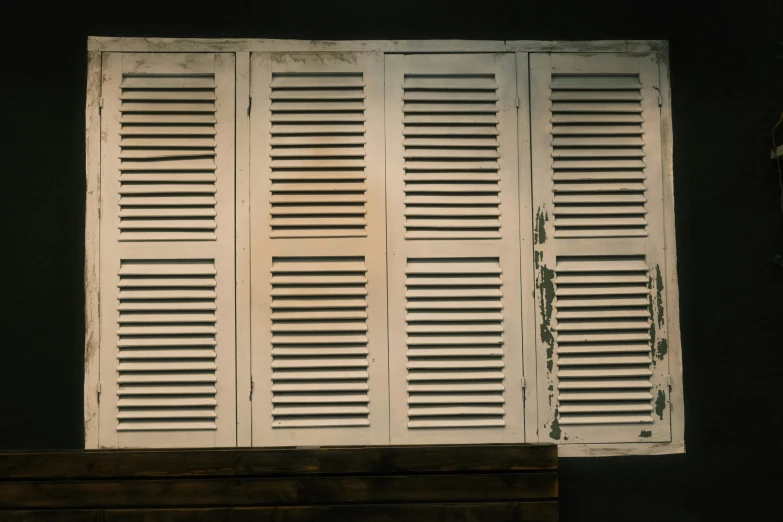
277, 462
473, 512
103, 43
70, 515
277, 491
92, 250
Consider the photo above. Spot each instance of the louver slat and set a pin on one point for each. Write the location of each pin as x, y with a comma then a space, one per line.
593, 374
476, 368
319, 345
597, 149
167, 155
451, 152
166, 348
318, 155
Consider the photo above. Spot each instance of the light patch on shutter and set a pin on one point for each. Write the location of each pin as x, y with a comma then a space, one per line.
167, 157
450, 127
318, 155
598, 155
167, 327
603, 318
319, 342
454, 326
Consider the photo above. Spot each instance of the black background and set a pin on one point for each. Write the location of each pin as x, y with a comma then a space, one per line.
727, 83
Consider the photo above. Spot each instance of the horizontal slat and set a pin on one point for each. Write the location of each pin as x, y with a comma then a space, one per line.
603, 348
326, 117
172, 402
605, 419
315, 399
325, 128
453, 398
453, 292
320, 410
449, 82
457, 423
172, 378
320, 362
315, 81
453, 305
447, 364
584, 325
181, 118
605, 408
174, 106
166, 330
465, 315
599, 128
604, 373
456, 387
604, 396
321, 387
168, 82
311, 140
129, 318
315, 105
607, 360
318, 94
449, 119
315, 304
461, 107
609, 384
178, 341
313, 315
454, 411
454, 340
601, 232
133, 390
318, 152
452, 96
145, 200
166, 414
451, 199
587, 95
159, 353
602, 314
596, 118
455, 352
611, 106
341, 375
319, 352
166, 425
614, 82
455, 376
484, 129
604, 141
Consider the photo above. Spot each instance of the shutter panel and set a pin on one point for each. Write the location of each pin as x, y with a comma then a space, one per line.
318, 335
453, 239
597, 189
167, 236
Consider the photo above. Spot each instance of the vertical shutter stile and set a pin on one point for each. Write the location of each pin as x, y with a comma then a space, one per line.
453, 239
167, 305
318, 276
597, 188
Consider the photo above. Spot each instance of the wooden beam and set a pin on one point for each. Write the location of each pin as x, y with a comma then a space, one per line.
102, 43
276, 462
26, 494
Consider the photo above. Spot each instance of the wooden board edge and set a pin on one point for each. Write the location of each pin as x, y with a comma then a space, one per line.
134, 44
621, 450
92, 249
677, 399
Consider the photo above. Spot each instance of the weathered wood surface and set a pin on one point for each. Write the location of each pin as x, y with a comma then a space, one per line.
276, 462
538, 511
414, 483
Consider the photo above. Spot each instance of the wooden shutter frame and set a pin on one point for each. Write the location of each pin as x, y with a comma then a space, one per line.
96, 46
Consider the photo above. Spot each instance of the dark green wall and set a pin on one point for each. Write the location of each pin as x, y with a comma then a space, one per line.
727, 82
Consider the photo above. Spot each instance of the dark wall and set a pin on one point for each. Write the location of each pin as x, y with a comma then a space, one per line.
727, 81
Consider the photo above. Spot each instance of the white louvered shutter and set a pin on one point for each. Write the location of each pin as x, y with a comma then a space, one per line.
318, 334
453, 238
597, 188
167, 243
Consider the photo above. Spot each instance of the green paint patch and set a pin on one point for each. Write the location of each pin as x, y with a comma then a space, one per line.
538, 256
645, 434
663, 349
546, 288
660, 404
659, 297
555, 432
539, 232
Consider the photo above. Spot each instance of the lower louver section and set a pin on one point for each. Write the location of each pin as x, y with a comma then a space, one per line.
454, 331
319, 342
167, 358
603, 340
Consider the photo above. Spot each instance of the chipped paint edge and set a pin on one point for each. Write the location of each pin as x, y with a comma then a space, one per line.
92, 250
124, 44
620, 450
673, 339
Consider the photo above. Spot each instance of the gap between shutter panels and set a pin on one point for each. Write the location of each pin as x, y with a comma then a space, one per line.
598, 155
320, 359
167, 345
318, 155
603, 320
454, 326
451, 156
167, 157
